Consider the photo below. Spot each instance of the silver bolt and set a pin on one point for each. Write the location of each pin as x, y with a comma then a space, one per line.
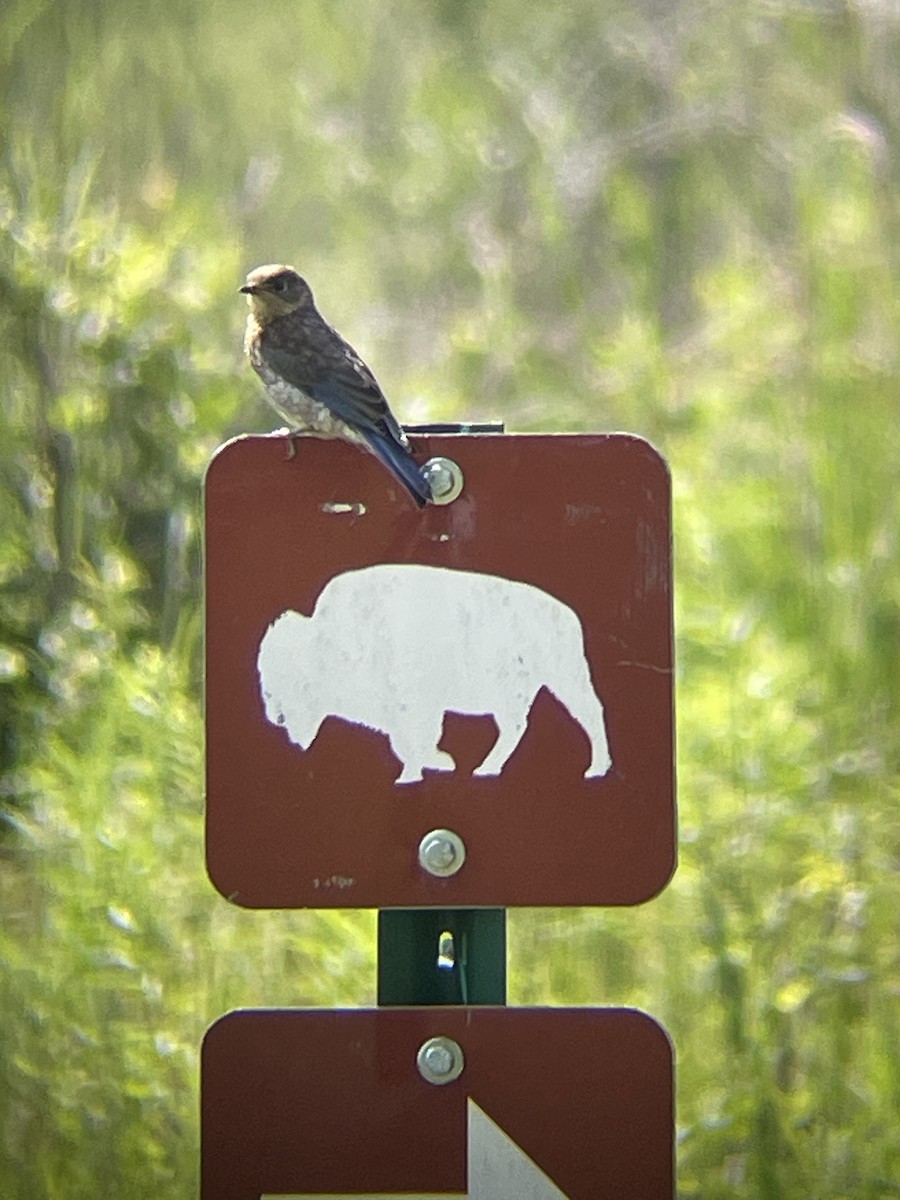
442, 852
440, 1060
446, 479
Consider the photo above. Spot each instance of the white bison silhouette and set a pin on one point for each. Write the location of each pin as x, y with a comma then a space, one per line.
396, 646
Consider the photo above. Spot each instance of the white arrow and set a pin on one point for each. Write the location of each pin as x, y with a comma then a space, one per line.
498, 1169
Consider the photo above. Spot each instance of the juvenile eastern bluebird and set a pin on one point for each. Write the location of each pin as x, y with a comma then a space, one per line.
315, 380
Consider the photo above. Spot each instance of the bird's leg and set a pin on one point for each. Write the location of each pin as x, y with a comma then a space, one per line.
291, 448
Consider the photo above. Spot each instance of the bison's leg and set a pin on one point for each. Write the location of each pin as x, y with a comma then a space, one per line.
511, 727
416, 747
581, 700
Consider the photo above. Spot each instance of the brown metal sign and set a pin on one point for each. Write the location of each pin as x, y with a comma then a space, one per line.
430, 1102
469, 705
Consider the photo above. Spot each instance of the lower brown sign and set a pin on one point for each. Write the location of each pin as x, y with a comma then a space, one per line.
431, 1102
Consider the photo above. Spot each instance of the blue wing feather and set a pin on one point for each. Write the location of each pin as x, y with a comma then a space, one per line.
362, 408
366, 411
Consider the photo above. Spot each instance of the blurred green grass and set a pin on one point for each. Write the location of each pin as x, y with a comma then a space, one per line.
595, 216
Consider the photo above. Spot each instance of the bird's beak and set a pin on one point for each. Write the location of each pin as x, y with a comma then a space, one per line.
248, 289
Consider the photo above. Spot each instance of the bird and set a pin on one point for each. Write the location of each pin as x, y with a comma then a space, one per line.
315, 380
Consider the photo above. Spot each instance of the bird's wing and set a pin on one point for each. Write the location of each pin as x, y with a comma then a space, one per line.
343, 383
359, 404
356, 398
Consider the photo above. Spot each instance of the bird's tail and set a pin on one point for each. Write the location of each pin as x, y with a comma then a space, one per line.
399, 461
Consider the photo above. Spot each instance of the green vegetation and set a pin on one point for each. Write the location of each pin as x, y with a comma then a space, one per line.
677, 219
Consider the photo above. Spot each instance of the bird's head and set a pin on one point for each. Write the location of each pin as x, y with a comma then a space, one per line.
275, 290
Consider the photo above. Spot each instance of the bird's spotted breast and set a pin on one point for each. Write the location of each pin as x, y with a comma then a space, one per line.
301, 412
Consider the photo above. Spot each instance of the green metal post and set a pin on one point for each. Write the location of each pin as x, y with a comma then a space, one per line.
441, 956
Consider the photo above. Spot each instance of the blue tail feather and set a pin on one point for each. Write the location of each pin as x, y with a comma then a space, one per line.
403, 465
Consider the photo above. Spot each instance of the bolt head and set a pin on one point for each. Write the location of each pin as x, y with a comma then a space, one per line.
441, 852
445, 478
440, 1060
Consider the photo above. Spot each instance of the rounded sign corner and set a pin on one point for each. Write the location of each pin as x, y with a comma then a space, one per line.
232, 895
649, 450
221, 457
666, 878
219, 1028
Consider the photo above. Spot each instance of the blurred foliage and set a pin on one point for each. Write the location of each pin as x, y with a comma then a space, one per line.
676, 219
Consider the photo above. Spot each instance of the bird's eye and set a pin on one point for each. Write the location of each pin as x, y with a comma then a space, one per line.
279, 285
